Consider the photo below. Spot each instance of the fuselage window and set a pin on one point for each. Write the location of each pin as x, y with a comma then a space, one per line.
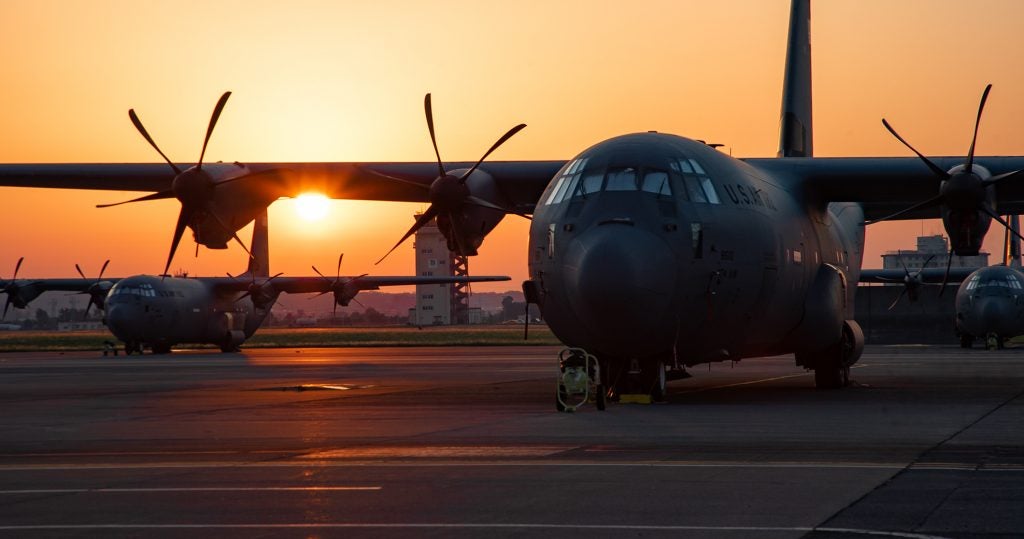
591, 183
656, 181
554, 191
567, 189
621, 179
709, 190
694, 189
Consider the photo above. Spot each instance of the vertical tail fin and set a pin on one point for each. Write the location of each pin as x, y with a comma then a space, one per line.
259, 264
796, 136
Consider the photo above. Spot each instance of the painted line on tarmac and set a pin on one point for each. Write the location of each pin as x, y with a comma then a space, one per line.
468, 526
190, 489
407, 463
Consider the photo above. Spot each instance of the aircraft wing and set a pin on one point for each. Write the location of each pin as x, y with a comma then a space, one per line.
305, 285
926, 276
520, 182
885, 185
308, 285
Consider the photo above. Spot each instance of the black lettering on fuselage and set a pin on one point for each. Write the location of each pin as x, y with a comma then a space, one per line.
749, 196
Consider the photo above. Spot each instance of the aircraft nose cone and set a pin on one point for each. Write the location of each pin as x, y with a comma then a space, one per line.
620, 280
993, 314
119, 318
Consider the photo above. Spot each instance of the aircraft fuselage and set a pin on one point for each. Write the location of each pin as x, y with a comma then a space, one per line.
148, 310
990, 305
652, 246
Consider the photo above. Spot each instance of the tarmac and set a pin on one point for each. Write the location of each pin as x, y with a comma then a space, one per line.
466, 442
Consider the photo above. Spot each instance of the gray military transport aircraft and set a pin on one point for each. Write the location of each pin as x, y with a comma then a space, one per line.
650, 251
158, 312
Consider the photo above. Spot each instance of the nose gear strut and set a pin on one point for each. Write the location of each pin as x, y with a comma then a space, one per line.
579, 380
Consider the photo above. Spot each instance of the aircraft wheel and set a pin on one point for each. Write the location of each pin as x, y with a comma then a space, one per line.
992, 341
659, 392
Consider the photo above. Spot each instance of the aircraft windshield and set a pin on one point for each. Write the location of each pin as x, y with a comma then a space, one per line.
144, 290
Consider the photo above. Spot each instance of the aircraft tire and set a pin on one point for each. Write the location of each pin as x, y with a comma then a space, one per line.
601, 397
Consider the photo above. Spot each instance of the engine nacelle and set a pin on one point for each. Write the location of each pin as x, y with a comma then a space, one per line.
965, 223
466, 228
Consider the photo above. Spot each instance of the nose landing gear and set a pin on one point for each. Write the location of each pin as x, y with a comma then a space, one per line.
579, 381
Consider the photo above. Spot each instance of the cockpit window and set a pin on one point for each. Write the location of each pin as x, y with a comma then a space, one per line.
621, 179
699, 186
1008, 281
591, 183
656, 181
144, 290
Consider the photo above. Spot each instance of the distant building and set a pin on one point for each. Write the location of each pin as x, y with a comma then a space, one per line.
84, 325
433, 301
933, 250
439, 304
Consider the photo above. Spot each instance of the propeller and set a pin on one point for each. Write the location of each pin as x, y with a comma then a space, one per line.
97, 291
11, 288
448, 193
962, 189
345, 290
261, 293
194, 188
911, 280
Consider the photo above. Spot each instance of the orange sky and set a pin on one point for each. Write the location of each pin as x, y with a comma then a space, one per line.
339, 81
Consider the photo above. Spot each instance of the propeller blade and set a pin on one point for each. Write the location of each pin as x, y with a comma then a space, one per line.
16, 268
337, 273
934, 168
80, 271
213, 123
433, 140
422, 220
977, 122
86, 315
243, 296
318, 295
898, 297
142, 131
102, 269
494, 146
359, 303
183, 218
6, 306
321, 274
899, 256
155, 196
934, 201
1003, 222
945, 277
1000, 177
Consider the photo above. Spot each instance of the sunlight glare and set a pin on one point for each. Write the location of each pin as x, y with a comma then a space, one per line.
311, 207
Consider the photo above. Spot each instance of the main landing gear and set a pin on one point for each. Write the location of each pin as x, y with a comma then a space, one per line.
579, 381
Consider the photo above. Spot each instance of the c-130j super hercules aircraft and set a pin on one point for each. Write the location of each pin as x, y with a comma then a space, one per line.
649, 251
158, 312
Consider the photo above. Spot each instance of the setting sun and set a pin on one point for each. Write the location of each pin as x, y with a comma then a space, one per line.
311, 207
